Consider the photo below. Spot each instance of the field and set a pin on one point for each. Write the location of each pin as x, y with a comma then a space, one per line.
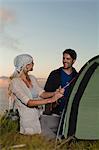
10, 139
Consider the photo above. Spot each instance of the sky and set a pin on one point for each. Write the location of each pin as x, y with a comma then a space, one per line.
44, 29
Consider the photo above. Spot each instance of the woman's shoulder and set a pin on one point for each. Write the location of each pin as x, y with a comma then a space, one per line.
15, 80
32, 77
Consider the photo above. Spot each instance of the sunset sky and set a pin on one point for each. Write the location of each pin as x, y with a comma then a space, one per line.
44, 29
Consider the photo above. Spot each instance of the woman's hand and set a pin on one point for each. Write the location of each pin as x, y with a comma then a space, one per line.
56, 96
60, 90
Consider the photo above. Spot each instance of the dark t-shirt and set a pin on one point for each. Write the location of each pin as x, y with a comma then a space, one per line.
65, 80
56, 78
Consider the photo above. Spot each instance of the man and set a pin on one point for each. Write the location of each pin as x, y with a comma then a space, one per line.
61, 77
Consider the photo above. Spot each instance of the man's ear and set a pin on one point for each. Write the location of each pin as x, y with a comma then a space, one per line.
74, 61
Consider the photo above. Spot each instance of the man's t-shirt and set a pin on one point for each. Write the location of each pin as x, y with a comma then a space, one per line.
65, 79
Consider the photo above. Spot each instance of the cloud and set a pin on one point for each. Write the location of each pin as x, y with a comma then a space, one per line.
7, 17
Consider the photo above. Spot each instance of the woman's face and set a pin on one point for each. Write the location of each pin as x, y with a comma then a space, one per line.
29, 67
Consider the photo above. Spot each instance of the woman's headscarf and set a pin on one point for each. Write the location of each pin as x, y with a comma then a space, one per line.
20, 63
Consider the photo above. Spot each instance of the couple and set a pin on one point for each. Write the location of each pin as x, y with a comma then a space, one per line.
29, 96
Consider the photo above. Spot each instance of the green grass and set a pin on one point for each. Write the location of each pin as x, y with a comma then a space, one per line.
9, 137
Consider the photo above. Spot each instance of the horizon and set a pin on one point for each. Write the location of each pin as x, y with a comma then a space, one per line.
4, 82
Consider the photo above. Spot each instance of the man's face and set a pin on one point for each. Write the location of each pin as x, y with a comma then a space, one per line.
67, 61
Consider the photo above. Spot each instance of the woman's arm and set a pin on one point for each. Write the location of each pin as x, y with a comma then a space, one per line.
34, 102
50, 94
20, 94
47, 94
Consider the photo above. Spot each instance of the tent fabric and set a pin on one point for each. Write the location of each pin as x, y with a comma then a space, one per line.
81, 117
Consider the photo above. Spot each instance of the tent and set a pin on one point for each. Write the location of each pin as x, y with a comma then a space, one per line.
80, 117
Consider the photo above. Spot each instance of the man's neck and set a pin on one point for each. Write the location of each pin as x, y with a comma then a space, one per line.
68, 70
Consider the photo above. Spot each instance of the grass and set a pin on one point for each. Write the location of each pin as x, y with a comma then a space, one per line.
10, 139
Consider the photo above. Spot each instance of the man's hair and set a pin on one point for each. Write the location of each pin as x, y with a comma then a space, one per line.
71, 52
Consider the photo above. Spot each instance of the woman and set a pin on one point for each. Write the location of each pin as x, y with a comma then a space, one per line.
24, 89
